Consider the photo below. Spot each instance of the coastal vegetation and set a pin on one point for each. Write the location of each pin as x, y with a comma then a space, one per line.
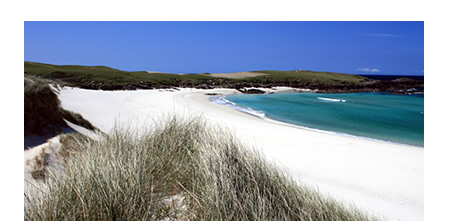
182, 169
106, 78
43, 113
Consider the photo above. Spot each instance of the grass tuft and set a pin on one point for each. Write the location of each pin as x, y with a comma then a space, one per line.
180, 170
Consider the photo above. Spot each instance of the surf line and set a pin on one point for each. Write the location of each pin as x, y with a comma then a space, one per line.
331, 99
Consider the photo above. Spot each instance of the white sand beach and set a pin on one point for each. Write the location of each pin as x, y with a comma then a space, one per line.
382, 178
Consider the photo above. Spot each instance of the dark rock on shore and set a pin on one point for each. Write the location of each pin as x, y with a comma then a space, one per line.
251, 91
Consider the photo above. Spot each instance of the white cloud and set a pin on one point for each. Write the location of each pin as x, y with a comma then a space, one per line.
363, 69
368, 70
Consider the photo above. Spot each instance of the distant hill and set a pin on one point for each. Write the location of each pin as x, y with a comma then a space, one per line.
106, 78
314, 76
394, 77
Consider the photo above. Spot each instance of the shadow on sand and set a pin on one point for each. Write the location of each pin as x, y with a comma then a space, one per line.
33, 140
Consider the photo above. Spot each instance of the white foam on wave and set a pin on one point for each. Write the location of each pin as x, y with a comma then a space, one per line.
331, 99
223, 101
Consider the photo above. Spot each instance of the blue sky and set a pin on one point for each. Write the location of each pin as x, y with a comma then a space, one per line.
388, 48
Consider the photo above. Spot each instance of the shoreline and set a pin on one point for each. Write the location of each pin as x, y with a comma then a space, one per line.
384, 179
263, 116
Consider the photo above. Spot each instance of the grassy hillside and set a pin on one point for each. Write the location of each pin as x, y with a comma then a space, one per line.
180, 170
312, 76
102, 77
108, 78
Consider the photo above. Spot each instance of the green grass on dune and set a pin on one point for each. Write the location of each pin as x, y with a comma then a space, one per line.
180, 170
43, 114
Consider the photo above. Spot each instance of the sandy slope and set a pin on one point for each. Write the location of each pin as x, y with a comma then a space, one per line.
383, 178
41, 157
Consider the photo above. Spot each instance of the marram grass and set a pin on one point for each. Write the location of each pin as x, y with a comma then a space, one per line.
182, 170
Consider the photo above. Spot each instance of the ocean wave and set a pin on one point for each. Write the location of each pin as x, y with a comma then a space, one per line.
331, 99
223, 101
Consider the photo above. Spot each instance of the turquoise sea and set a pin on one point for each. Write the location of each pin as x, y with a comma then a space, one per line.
380, 116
